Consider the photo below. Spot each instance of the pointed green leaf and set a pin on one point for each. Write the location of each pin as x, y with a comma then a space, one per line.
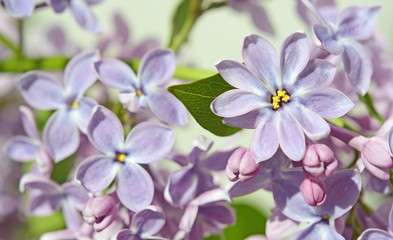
197, 97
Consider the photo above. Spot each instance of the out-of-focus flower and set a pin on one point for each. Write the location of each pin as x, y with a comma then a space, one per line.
20, 8
279, 226
374, 233
282, 107
241, 165
146, 143
148, 88
73, 110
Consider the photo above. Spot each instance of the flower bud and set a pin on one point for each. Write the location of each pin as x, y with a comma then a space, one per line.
319, 160
241, 165
314, 191
100, 212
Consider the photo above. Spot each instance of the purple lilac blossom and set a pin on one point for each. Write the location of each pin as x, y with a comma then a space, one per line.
282, 105
279, 226
148, 88
147, 142
195, 177
73, 110
354, 24
374, 233
20, 8
100, 211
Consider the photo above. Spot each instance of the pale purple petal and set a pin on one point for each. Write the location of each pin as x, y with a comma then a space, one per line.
61, 234
265, 139
61, 135
212, 196
294, 56
21, 148
319, 230
261, 58
390, 140
81, 115
149, 142
31, 181
313, 125
327, 102
358, 22
29, 124
43, 204
105, 131
148, 221
217, 161
116, 74
84, 16
218, 215
357, 66
72, 217
374, 233
326, 40
20, 8
122, 33
237, 102
130, 100
41, 91
157, 67
249, 120
318, 73
59, 5
239, 76
278, 226
261, 181
97, 172
167, 107
76, 195
135, 187
291, 137
125, 234
260, 18
181, 187
78, 74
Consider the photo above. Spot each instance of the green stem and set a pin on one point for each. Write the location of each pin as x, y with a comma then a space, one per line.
215, 5
21, 40
9, 44
368, 101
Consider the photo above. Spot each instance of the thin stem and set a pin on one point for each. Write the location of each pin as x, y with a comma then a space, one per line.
368, 101
215, 5
21, 39
41, 5
9, 44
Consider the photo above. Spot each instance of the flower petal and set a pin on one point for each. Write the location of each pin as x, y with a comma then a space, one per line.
125, 234
41, 91
358, 22
181, 187
58, 5
148, 221
29, 124
217, 161
237, 102
61, 135
357, 66
325, 40
167, 107
261, 58
105, 131
291, 137
84, 16
260, 18
390, 140
319, 230
21, 148
149, 142
20, 8
265, 139
76, 195
327, 102
218, 215
279, 226
81, 115
157, 67
35, 182
97, 172
294, 56
43, 204
243, 188
135, 187
116, 74
373, 233
238, 75
249, 120
318, 73
72, 217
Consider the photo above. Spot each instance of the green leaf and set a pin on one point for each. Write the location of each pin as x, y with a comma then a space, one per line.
40, 225
179, 18
197, 97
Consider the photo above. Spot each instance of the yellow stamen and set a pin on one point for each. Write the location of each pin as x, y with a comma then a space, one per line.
326, 217
75, 105
121, 157
278, 98
138, 92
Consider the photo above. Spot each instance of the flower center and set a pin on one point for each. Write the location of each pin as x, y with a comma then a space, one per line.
138, 92
278, 98
75, 105
326, 217
121, 157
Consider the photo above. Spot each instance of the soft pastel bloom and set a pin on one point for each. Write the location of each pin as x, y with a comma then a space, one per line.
26, 148
144, 225
20, 8
195, 177
85, 232
241, 165
354, 24
100, 211
313, 190
279, 226
282, 98
80, 9
41, 91
148, 88
319, 160
374, 233
147, 142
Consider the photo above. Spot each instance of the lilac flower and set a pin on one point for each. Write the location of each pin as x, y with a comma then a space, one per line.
319, 160
46, 197
20, 8
73, 110
281, 106
374, 233
147, 89
22, 148
144, 225
80, 9
279, 226
146, 143
241, 165
196, 175
343, 189
100, 211
354, 24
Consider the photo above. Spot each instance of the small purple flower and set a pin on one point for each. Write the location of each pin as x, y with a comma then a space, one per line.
148, 88
73, 110
147, 142
20, 8
282, 105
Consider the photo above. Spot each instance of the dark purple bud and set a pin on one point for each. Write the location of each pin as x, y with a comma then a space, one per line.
100, 212
241, 165
314, 191
319, 160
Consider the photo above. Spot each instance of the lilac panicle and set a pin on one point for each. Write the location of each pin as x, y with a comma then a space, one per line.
73, 110
146, 143
20, 8
282, 98
148, 88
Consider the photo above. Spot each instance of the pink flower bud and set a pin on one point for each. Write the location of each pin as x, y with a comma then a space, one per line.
100, 212
241, 165
319, 160
314, 191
